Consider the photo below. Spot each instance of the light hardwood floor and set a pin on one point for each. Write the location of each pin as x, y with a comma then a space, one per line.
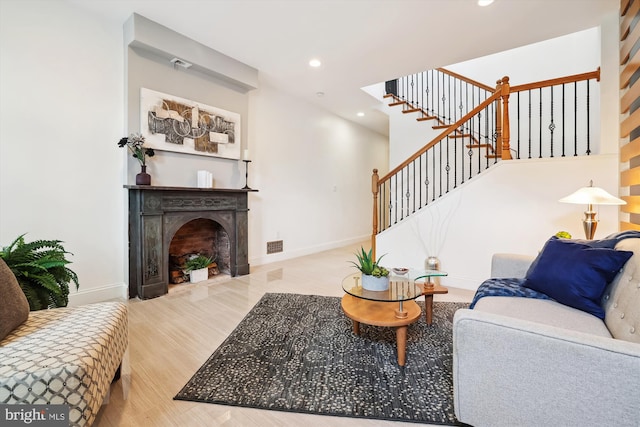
173, 335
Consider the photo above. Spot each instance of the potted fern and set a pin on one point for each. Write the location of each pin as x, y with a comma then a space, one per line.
198, 268
374, 276
41, 270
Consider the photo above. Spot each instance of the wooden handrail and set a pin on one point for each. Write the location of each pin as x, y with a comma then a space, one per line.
466, 79
500, 96
558, 81
440, 137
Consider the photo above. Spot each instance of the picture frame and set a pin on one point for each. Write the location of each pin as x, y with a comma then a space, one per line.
172, 123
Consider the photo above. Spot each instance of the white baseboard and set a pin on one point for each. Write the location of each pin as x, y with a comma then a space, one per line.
282, 256
116, 291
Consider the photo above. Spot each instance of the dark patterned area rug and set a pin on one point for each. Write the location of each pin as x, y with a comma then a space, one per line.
298, 353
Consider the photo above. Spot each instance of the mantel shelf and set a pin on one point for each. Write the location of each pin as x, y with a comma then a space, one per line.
159, 188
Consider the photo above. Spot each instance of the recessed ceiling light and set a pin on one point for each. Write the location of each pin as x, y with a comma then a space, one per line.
484, 2
360, 114
315, 63
319, 94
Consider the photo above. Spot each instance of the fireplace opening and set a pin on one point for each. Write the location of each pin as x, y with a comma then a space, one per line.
199, 237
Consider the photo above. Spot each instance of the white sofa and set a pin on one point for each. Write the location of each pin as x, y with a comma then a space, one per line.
535, 362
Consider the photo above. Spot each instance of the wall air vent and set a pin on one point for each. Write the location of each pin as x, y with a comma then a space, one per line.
274, 247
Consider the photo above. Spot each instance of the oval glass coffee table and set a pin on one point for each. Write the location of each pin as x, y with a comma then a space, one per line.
394, 307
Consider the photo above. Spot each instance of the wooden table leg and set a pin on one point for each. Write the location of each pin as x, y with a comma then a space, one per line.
356, 327
428, 308
401, 340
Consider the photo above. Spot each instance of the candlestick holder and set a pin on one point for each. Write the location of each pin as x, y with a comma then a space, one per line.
246, 175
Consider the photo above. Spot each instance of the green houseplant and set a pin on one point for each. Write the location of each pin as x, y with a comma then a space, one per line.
41, 270
197, 267
374, 276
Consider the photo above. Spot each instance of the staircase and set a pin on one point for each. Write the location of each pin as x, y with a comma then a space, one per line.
552, 118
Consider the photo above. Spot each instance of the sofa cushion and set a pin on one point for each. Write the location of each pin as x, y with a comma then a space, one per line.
621, 299
14, 309
544, 311
575, 274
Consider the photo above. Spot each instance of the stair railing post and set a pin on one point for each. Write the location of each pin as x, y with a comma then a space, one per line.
506, 134
374, 190
498, 120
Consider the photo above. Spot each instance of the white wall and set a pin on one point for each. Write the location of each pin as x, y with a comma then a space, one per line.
562, 56
62, 100
313, 170
512, 207
61, 114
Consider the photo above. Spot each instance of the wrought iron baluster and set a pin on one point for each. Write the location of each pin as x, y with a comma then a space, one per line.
563, 120
529, 93
447, 167
588, 122
395, 198
552, 125
433, 173
422, 95
401, 193
419, 180
540, 124
575, 118
518, 124
455, 157
449, 94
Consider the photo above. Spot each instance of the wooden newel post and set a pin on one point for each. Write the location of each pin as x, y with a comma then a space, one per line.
506, 133
374, 190
498, 120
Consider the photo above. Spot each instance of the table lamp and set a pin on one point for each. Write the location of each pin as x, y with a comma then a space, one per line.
591, 196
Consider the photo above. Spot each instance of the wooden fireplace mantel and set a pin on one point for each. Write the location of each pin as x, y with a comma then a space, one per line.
164, 188
157, 213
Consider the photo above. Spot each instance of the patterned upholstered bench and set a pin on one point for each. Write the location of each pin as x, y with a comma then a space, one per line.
65, 356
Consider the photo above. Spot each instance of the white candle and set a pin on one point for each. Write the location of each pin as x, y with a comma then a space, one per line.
246, 155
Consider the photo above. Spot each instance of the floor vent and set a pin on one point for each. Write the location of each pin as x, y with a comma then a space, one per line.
274, 247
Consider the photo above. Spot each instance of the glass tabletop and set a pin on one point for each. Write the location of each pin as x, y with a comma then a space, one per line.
402, 287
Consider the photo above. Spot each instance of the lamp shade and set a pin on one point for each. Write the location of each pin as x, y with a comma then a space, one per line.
592, 196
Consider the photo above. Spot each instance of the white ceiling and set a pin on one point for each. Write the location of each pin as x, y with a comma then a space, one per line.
360, 42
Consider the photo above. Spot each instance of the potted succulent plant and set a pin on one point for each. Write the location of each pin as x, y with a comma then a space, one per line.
41, 270
198, 268
374, 276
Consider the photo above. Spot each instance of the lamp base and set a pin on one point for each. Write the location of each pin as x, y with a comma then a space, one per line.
589, 223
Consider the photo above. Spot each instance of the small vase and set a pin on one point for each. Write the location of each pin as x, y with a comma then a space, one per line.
143, 178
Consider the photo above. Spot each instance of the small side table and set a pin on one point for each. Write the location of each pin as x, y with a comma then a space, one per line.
429, 290
380, 313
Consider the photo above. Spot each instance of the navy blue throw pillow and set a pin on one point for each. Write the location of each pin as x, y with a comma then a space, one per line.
575, 274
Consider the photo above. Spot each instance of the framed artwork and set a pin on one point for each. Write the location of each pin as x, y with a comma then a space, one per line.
171, 123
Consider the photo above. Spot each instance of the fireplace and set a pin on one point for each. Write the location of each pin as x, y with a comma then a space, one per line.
166, 221
199, 237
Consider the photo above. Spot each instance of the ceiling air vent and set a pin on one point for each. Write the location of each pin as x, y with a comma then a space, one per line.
177, 62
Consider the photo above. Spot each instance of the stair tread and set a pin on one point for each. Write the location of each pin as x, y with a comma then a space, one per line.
424, 118
411, 110
460, 135
393, 104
